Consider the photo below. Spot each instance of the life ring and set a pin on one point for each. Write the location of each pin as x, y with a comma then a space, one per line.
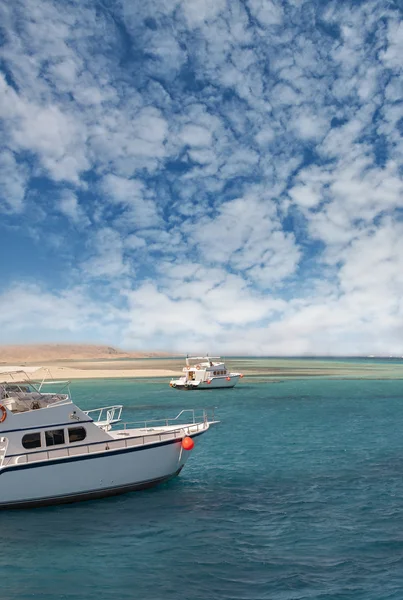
3, 411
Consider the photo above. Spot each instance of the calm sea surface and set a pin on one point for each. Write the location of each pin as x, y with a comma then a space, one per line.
297, 494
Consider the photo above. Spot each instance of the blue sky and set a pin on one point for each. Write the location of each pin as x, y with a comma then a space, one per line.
202, 175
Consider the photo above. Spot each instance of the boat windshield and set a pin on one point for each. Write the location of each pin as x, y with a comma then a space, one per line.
21, 397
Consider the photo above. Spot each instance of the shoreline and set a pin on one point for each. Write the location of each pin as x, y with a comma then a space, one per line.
50, 372
159, 368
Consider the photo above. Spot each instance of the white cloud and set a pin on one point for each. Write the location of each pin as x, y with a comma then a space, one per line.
122, 190
52, 135
194, 135
140, 210
266, 12
393, 53
247, 235
69, 206
29, 310
197, 11
13, 180
108, 261
247, 163
309, 126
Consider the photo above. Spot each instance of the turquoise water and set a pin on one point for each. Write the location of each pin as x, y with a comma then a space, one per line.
297, 494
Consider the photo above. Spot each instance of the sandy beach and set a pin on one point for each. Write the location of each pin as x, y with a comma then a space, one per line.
254, 368
58, 372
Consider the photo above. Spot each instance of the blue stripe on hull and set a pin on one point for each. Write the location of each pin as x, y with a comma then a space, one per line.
80, 457
187, 388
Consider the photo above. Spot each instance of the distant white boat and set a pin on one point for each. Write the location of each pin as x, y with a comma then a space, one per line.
53, 452
205, 375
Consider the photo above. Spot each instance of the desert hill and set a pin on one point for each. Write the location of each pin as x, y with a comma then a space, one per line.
41, 353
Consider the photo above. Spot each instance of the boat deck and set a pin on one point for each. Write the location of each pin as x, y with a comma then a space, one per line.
120, 440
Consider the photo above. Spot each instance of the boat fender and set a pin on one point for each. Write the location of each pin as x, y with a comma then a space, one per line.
198, 368
3, 412
208, 380
228, 378
188, 443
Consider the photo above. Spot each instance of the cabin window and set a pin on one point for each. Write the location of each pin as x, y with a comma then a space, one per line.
77, 434
55, 437
31, 440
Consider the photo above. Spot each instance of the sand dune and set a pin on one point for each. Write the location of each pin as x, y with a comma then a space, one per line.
49, 353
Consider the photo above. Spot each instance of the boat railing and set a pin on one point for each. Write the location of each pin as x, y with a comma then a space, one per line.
106, 414
197, 416
125, 441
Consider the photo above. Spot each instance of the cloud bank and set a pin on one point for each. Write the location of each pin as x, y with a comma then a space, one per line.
203, 176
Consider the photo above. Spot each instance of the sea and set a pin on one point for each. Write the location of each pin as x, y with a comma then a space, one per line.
297, 494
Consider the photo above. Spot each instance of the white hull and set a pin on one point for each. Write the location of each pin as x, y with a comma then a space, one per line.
215, 383
90, 476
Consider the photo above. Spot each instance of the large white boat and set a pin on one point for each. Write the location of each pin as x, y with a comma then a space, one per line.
53, 452
205, 375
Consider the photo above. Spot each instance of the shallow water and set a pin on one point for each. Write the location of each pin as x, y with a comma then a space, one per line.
297, 494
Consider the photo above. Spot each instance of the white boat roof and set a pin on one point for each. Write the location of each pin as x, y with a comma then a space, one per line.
202, 357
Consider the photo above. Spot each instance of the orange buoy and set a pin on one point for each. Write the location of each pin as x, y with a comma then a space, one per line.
228, 378
208, 380
241, 375
188, 443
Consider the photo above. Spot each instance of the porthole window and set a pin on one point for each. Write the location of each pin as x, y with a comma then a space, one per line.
55, 437
77, 434
31, 440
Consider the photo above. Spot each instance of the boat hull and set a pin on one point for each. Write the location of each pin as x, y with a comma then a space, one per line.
215, 383
78, 478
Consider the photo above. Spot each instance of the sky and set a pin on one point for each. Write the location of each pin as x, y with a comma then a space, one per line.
202, 175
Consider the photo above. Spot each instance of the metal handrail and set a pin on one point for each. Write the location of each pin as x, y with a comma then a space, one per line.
110, 413
149, 422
